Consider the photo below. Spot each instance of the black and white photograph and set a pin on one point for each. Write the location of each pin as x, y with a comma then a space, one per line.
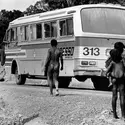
62, 62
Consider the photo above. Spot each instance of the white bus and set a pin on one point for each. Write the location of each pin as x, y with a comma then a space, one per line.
84, 33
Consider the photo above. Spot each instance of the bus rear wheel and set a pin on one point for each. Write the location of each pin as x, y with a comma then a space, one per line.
100, 83
64, 82
20, 79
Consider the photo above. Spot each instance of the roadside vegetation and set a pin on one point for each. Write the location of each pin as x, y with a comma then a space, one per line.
43, 6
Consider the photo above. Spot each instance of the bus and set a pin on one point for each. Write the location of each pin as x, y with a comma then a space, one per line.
85, 35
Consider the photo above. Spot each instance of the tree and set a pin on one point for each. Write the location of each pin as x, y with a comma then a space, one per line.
46, 5
3, 27
54, 4
5, 18
39, 7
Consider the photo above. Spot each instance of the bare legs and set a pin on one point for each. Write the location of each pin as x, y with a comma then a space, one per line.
118, 84
122, 100
56, 85
114, 100
53, 80
50, 83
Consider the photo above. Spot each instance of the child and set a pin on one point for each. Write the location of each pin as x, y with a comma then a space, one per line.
120, 47
116, 71
52, 66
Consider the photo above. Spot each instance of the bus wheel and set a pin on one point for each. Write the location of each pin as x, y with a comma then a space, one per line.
20, 79
100, 83
64, 82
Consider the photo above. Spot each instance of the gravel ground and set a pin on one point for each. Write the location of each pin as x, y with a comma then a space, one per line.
21, 105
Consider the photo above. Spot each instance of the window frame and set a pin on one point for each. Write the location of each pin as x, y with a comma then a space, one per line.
65, 19
26, 32
12, 41
50, 31
15, 36
40, 31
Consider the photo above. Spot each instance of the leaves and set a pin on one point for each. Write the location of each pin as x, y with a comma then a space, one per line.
42, 6
54, 4
39, 7
5, 18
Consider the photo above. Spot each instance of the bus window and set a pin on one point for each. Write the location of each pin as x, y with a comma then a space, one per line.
63, 28
33, 31
54, 29
38, 31
13, 34
66, 27
103, 20
47, 29
24, 33
11, 37
50, 29
70, 26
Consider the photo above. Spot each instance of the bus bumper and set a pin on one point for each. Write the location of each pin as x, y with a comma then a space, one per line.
90, 72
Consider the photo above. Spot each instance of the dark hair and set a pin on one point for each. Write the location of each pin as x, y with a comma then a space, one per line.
53, 42
115, 55
120, 46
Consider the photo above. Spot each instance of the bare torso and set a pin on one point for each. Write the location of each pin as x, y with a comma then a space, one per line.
117, 69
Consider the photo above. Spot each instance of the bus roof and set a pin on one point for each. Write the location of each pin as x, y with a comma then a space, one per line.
58, 13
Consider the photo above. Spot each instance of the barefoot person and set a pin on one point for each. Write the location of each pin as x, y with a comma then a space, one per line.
117, 71
52, 66
120, 47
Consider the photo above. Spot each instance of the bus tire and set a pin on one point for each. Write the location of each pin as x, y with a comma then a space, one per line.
20, 79
64, 82
100, 83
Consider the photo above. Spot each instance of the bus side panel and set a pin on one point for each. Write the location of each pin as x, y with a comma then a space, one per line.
68, 68
33, 65
36, 67
35, 61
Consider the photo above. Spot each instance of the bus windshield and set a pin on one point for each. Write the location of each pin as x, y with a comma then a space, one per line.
103, 20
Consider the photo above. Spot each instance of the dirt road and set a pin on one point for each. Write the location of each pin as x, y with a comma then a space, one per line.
31, 104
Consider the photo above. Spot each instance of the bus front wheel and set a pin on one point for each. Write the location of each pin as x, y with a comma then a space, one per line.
100, 83
64, 82
20, 79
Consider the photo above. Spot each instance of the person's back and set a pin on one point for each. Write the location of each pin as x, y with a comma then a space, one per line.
117, 69
54, 57
52, 65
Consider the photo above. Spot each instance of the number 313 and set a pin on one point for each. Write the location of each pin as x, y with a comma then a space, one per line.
91, 51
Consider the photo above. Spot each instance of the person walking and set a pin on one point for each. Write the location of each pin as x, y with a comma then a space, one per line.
52, 66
